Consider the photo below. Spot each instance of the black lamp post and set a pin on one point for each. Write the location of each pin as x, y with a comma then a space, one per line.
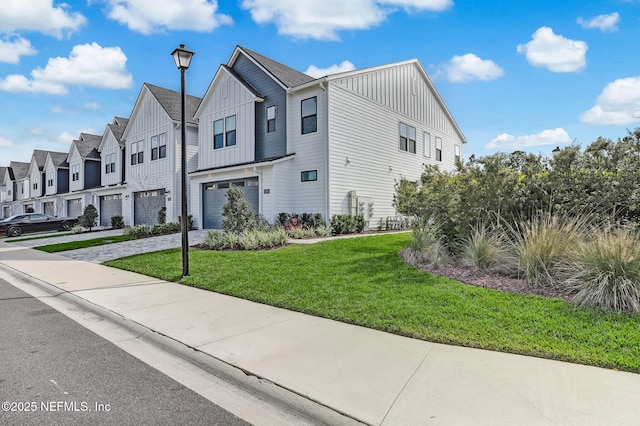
183, 57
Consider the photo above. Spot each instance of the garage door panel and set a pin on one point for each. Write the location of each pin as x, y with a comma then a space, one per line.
214, 198
146, 206
74, 207
110, 205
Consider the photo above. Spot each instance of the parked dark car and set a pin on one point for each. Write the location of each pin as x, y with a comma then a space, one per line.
15, 226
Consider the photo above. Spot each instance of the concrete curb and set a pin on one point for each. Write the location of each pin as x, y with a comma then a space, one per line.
274, 394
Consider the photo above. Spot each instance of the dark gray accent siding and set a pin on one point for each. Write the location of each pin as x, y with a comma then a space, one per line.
63, 181
92, 174
267, 144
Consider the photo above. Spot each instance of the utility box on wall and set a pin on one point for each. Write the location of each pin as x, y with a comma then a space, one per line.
365, 208
353, 203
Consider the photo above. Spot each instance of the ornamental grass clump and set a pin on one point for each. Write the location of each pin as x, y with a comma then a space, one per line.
607, 270
542, 246
484, 250
427, 245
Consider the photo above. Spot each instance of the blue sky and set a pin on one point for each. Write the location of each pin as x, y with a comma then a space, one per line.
515, 74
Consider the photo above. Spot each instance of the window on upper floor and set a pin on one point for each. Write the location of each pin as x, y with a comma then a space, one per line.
426, 140
50, 179
159, 146
224, 132
75, 172
457, 153
137, 153
230, 130
438, 149
110, 163
309, 108
35, 185
407, 138
271, 119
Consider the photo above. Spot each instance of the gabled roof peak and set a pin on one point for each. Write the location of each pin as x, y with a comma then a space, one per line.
286, 75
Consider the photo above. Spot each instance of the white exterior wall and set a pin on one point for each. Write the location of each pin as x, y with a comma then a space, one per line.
365, 112
75, 160
35, 176
150, 119
175, 197
228, 98
111, 146
50, 168
23, 189
59, 204
310, 154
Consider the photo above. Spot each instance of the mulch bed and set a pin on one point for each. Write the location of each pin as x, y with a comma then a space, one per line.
491, 280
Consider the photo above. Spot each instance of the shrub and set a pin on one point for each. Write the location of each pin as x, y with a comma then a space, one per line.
607, 270
323, 230
427, 245
137, 231
76, 229
347, 224
251, 240
189, 222
117, 222
238, 213
89, 217
541, 247
162, 215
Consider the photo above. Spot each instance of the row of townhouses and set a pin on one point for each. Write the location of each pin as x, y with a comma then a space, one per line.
290, 142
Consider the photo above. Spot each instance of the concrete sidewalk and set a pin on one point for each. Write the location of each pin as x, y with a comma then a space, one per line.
370, 376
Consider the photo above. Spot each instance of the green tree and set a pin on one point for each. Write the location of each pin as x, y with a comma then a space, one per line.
89, 217
238, 213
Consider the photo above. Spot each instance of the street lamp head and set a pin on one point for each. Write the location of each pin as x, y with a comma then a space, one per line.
182, 57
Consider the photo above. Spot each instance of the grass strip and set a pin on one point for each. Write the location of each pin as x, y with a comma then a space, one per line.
363, 281
74, 245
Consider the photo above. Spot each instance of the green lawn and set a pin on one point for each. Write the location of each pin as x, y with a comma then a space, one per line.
74, 245
363, 281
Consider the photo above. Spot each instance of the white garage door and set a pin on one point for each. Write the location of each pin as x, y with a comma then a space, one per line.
74, 207
110, 205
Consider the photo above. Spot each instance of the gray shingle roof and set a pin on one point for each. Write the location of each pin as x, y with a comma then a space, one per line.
20, 170
88, 145
117, 128
40, 156
3, 170
59, 159
170, 101
286, 75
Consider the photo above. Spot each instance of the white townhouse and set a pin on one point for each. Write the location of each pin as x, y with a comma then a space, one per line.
152, 138
56, 182
331, 145
3, 190
39, 184
84, 173
17, 183
112, 175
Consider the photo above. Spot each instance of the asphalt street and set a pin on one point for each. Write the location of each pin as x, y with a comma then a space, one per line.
54, 371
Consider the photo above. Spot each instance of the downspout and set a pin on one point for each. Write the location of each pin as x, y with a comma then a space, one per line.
260, 189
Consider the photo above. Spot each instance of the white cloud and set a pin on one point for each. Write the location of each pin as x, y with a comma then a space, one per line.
470, 67
87, 65
554, 52
153, 16
11, 49
322, 20
92, 105
40, 16
605, 23
617, 105
65, 138
5, 141
316, 72
506, 141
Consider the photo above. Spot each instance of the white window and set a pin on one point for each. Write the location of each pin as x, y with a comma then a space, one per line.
50, 179
407, 138
438, 149
224, 132
75, 172
309, 108
110, 163
159, 146
137, 153
271, 119
457, 153
426, 140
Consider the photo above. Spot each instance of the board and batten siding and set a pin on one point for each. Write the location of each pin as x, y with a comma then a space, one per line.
111, 146
364, 153
75, 160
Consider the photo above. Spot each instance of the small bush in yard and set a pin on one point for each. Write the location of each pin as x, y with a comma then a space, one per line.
76, 229
117, 222
251, 240
607, 270
238, 213
347, 224
89, 217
